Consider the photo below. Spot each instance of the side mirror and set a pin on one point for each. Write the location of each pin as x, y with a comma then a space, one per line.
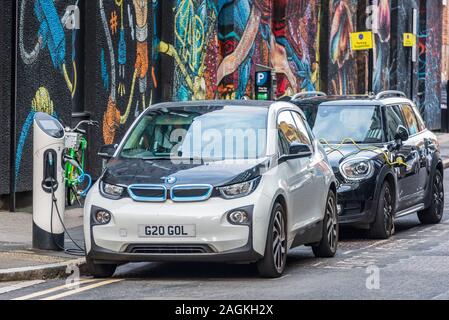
107, 151
297, 150
401, 134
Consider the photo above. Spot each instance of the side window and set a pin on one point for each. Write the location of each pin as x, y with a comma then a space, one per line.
288, 132
421, 124
410, 119
304, 135
394, 119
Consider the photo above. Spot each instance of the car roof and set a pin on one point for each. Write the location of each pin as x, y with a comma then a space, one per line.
215, 103
360, 100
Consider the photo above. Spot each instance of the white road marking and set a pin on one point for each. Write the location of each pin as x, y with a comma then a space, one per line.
47, 291
442, 296
20, 285
367, 247
82, 289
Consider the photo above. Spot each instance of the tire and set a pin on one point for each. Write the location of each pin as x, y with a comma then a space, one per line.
327, 247
383, 227
434, 213
272, 265
71, 197
100, 270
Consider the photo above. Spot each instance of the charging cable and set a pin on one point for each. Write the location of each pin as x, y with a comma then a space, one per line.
399, 160
78, 251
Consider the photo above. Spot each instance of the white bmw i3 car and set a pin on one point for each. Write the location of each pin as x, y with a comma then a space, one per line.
223, 181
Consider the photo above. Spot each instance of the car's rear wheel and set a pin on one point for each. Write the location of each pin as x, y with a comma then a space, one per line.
327, 247
100, 270
434, 213
272, 265
383, 227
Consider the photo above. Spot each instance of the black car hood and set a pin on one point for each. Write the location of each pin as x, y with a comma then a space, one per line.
217, 173
337, 154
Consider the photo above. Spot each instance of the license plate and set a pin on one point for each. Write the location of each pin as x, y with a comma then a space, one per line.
167, 230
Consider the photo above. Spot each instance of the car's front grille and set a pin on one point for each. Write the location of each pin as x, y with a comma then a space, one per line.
148, 192
194, 192
168, 249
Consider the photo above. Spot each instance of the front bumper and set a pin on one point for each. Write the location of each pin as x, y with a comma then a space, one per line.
245, 254
224, 242
357, 203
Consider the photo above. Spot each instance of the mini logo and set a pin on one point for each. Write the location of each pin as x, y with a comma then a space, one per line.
169, 180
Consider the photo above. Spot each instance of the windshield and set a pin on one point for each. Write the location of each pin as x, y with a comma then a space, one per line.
217, 133
335, 124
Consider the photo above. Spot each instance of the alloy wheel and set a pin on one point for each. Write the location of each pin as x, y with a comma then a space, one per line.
438, 195
279, 241
388, 212
332, 225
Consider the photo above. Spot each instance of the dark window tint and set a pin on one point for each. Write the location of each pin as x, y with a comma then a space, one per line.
394, 120
410, 119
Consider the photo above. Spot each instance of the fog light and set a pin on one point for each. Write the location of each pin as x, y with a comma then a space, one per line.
238, 217
102, 217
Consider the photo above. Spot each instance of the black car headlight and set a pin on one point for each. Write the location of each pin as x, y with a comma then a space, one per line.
357, 169
111, 191
239, 190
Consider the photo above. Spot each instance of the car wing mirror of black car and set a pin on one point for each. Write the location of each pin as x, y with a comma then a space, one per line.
107, 151
401, 134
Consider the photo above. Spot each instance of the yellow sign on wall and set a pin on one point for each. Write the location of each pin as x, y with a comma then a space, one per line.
409, 40
362, 40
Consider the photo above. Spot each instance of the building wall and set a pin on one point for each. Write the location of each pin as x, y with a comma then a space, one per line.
47, 74
129, 54
429, 74
5, 93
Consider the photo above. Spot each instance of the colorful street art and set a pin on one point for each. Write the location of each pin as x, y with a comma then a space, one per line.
429, 73
342, 75
47, 40
279, 34
194, 50
382, 35
123, 94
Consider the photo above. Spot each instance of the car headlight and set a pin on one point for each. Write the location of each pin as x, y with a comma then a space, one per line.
357, 169
240, 189
111, 191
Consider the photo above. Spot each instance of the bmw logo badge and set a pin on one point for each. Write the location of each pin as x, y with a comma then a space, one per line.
170, 180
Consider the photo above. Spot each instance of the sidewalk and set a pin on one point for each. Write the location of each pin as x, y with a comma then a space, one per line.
18, 261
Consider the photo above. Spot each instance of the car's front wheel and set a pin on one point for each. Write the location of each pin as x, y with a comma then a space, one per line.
100, 270
272, 265
327, 247
434, 213
383, 227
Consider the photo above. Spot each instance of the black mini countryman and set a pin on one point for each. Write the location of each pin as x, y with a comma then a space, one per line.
387, 162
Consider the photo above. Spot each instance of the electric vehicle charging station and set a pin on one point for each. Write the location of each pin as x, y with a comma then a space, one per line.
48, 183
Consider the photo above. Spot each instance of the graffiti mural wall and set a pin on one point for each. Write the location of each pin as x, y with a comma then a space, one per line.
5, 94
47, 71
126, 55
342, 75
203, 49
194, 51
429, 74
381, 53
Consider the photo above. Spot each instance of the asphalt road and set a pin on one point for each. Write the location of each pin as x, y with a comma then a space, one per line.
414, 264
